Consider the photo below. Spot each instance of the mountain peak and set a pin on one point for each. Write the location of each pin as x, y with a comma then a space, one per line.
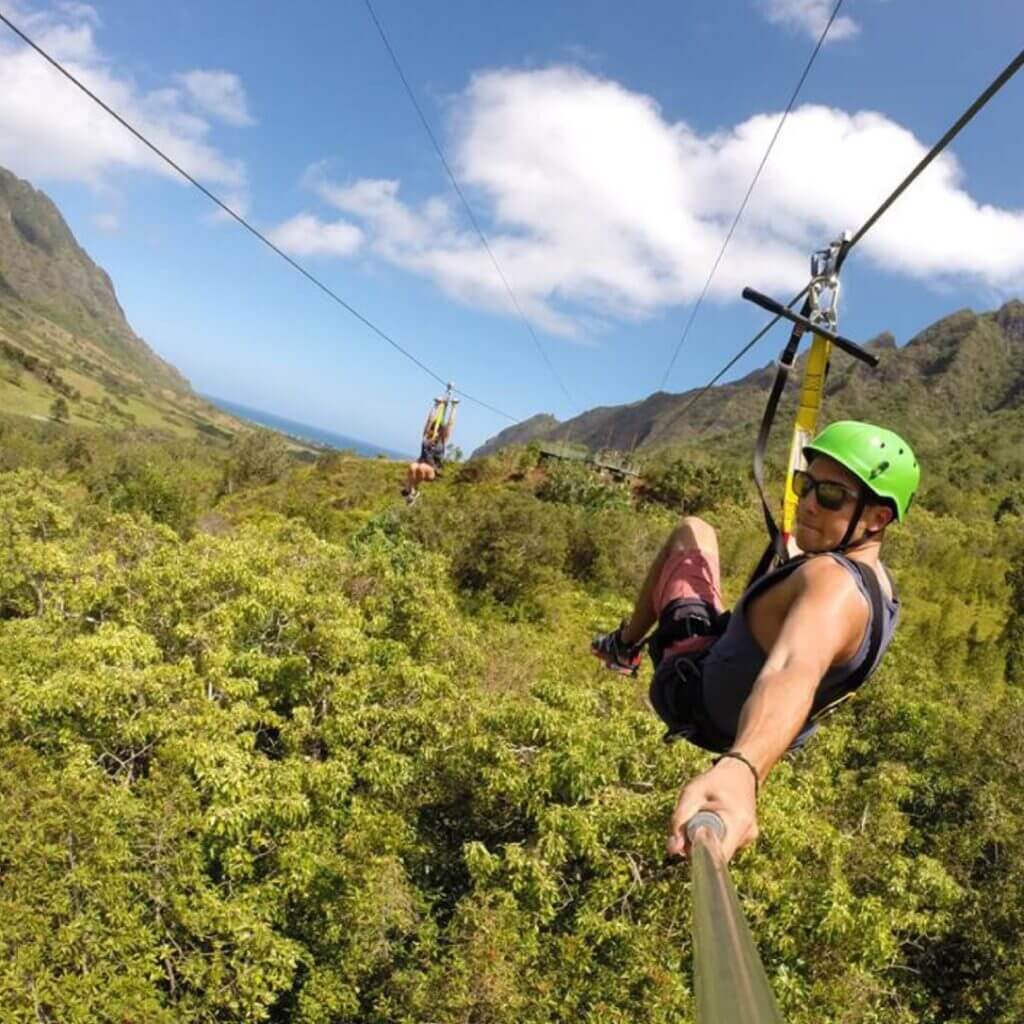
964, 366
43, 266
1010, 318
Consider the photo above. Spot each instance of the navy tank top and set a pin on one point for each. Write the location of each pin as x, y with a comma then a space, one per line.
734, 662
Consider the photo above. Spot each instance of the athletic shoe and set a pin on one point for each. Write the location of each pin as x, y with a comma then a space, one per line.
616, 654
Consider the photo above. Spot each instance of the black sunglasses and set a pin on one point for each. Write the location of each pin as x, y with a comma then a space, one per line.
830, 494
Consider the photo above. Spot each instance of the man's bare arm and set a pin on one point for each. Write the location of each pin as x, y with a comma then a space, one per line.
826, 614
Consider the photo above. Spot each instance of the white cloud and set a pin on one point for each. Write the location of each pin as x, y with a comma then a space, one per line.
108, 223
810, 17
83, 12
307, 235
49, 129
220, 93
597, 207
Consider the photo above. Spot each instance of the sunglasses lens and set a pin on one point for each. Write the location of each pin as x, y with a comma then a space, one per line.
802, 483
831, 496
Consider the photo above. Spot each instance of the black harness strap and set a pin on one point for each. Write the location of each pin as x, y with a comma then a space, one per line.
681, 619
776, 550
830, 702
826, 700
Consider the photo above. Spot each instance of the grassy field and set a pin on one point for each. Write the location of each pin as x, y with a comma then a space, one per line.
99, 392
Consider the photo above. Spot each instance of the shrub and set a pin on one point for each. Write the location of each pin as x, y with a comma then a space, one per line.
255, 457
574, 483
690, 488
59, 410
156, 481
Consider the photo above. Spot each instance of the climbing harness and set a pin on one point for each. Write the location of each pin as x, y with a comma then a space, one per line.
682, 619
678, 685
442, 417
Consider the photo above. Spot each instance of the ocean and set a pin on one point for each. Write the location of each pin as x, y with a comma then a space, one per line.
303, 430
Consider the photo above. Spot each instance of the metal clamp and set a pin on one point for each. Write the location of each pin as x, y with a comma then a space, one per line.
824, 288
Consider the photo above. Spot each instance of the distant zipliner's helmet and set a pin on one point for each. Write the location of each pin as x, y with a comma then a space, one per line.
880, 459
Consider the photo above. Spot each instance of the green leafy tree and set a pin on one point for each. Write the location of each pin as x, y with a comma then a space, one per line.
255, 457
690, 488
1014, 631
59, 410
573, 483
337, 760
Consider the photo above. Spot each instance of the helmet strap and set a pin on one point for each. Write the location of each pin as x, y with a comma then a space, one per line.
847, 543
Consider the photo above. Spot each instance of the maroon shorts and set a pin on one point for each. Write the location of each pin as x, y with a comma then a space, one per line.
689, 574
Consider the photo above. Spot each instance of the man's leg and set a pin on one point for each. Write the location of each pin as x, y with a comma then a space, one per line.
691, 535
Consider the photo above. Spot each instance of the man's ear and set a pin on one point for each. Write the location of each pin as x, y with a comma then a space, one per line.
879, 516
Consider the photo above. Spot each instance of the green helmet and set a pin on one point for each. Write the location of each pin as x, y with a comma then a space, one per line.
880, 459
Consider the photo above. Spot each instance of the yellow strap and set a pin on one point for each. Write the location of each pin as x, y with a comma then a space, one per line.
435, 425
812, 391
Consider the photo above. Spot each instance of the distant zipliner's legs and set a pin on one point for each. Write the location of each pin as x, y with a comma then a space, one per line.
419, 473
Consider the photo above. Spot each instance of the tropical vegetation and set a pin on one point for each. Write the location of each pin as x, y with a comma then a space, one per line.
275, 748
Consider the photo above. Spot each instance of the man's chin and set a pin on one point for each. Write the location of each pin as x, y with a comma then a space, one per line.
810, 542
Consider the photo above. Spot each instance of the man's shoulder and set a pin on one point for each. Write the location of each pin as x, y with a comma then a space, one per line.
823, 573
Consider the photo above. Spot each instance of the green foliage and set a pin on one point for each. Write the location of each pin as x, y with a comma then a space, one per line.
504, 546
10, 371
156, 487
690, 488
1014, 633
483, 469
254, 457
573, 483
299, 754
59, 410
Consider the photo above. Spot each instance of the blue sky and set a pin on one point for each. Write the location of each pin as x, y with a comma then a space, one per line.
603, 147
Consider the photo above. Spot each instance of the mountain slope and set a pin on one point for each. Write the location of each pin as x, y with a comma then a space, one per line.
66, 350
956, 372
44, 267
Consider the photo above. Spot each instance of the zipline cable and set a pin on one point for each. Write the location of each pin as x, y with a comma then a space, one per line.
241, 220
962, 121
739, 355
749, 193
465, 202
1004, 76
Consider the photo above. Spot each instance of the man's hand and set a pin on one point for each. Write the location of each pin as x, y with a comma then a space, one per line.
728, 790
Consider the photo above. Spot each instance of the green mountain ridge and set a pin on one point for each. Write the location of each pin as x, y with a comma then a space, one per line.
43, 267
960, 370
67, 351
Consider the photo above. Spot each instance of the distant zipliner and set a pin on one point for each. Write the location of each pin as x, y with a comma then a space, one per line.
437, 432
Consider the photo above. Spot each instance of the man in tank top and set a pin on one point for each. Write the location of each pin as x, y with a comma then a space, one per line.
801, 639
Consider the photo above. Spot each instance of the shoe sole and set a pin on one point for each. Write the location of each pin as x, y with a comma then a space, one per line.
619, 670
